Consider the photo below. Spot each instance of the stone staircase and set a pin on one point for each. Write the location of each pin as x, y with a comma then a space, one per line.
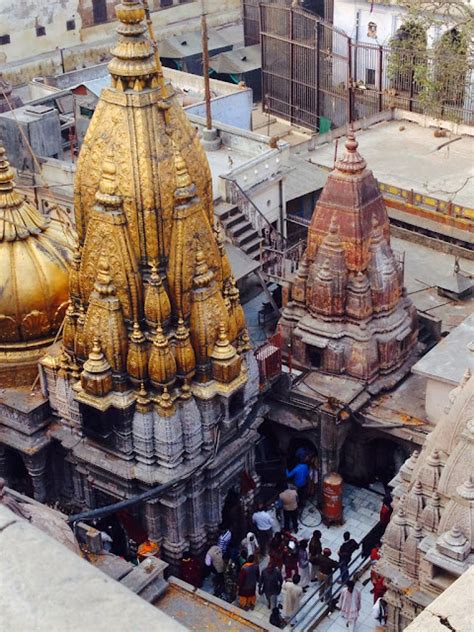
239, 229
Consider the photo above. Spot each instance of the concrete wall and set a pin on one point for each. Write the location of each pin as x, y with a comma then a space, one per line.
233, 109
353, 17
437, 398
20, 19
28, 56
46, 587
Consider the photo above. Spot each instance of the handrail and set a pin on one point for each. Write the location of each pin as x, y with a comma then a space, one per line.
360, 559
270, 234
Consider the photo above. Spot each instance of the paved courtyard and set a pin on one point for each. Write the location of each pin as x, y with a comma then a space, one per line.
361, 512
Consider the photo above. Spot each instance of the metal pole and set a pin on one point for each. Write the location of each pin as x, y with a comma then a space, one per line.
205, 70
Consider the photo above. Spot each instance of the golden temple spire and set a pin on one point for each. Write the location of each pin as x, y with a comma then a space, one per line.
162, 365
185, 358
96, 377
104, 318
157, 303
226, 363
134, 65
137, 358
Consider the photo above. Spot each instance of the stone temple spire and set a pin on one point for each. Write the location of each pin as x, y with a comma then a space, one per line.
354, 306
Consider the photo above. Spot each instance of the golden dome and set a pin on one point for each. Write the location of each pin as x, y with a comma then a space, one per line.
34, 257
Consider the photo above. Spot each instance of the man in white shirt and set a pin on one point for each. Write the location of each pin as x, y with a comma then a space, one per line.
263, 521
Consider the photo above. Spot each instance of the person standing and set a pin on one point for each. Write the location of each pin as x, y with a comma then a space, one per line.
303, 564
345, 552
292, 593
326, 566
250, 544
349, 604
315, 552
191, 570
289, 501
223, 541
270, 584
386, 511
264, 523
276, 549
248, 578
379, 613
231, 580
299, 474
291, 559
214, 561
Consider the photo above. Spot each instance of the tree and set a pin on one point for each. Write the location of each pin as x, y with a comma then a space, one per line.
439, 77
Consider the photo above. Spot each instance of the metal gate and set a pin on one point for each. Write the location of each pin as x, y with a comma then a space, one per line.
314, 75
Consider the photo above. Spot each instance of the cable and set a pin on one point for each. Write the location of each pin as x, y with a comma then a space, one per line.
159, 489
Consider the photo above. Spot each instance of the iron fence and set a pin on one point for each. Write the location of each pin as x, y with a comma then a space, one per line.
314, 75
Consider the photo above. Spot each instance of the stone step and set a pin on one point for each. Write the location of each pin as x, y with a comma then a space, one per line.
246, 236
252, 248
224, 209
243, 229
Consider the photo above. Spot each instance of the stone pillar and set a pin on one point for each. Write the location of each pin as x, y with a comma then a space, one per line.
173, 505
335, 426
36, 466
143, 436
197, 533
153, 520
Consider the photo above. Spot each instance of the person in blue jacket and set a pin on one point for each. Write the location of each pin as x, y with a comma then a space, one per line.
299, 474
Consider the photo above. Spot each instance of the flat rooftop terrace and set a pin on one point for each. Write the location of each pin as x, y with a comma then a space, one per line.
409, 156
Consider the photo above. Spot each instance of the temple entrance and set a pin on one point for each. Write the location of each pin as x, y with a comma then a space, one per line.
374, 461
16, 473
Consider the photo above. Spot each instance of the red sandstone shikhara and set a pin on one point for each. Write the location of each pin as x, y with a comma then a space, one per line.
347, 310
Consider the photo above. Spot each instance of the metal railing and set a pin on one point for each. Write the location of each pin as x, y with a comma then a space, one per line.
324, 593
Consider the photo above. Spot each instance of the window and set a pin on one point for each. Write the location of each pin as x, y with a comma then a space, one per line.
99, 11
166, 3
315, 356
70, 25
370, 76
40, 31
4, 39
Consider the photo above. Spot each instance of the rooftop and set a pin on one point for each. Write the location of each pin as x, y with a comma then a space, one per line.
408, 155
450, 358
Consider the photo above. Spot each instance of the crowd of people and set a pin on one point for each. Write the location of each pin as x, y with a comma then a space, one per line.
278, 566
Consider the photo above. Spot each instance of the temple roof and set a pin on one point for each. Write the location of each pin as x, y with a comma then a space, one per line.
34, 255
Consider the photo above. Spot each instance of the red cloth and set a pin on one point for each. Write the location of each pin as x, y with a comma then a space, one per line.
247, 483
385, 513
191, 571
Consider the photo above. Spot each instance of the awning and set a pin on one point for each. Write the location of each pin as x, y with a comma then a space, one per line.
237, 61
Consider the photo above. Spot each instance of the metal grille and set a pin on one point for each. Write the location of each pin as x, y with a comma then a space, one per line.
314, 75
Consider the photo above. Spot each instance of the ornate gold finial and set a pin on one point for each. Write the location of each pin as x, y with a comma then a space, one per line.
165, 403
203, 276
96, 376
103, 283
134, 65
246, 344
6, 174
157, 303
143, 399
185, 390
185, 189
223, 350
69, 331
18, 218
106, 195
226, 363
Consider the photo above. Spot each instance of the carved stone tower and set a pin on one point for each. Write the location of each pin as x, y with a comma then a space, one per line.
155, 378
347, 312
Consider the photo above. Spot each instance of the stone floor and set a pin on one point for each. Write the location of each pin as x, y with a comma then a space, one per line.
361, 512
